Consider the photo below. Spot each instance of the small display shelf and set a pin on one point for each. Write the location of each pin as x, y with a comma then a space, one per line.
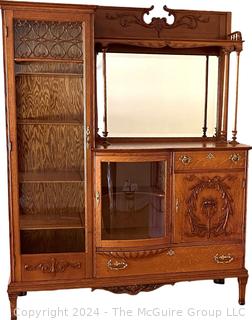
56, 221
51, 176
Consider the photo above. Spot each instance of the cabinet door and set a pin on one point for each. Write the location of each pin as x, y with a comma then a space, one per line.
49, 118
131, 202
209, 207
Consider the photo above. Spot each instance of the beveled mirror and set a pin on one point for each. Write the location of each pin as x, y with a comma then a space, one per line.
156, 95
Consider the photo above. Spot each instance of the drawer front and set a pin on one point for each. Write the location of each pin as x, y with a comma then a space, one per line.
177, 259
210, 160
53, 267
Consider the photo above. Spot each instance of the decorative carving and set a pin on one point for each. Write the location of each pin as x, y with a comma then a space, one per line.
209, 206
48, 39
158, 24
133, 254
53, 266
133, 289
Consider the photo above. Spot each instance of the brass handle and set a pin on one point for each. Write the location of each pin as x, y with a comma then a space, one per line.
235, 157
223, 259
88, 133
177, 205
98, 198
117, 265
170, 252
210, 156
185, 159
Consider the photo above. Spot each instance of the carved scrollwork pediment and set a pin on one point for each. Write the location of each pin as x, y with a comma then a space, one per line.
188, 21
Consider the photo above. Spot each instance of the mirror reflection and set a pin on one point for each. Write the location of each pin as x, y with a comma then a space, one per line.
157, 95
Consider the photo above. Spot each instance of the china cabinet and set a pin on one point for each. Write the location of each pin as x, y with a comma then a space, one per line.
121, 174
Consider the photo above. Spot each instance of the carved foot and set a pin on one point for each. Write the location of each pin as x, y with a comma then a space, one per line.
219, 281
242, 289
13, 304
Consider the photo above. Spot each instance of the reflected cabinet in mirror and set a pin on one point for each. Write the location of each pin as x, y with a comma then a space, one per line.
157, 95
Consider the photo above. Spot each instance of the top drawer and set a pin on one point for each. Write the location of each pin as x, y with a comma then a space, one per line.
210, 159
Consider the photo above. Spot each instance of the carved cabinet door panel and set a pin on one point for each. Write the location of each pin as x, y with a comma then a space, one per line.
209, 207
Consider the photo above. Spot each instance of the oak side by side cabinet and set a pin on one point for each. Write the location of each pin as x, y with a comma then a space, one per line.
121, 173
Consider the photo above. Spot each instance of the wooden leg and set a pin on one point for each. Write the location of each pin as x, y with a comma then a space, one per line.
219, 281
13, 304
242, 289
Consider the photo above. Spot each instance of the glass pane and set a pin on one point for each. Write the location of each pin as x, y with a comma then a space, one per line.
157, 95
48, 39
50, 129
133, 200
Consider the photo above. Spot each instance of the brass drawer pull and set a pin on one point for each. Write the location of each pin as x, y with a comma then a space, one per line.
185, 159
98, 198
170, 252
117, 265
224, 259
177, 205
235, 157
210, 156
88, 137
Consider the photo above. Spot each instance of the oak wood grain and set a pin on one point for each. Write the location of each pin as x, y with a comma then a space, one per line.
49, 97
50, 147
52, 198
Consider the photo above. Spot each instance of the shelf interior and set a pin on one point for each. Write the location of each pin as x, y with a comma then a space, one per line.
51, 176
56, 221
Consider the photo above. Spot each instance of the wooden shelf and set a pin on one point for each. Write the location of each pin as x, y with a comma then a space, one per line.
126, 193
47, 60
46, 222
131, 233
51, 176
56, 122
50, 74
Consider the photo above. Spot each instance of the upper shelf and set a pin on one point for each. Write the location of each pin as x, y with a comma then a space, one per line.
229, 45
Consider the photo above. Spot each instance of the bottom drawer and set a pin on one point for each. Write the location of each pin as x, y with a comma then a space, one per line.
177, 259
53, 266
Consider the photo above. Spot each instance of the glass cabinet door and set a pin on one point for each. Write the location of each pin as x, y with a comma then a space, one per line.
133, 204
50, 134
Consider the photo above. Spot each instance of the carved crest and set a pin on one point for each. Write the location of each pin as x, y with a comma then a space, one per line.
133, 289
215, 210
158, 24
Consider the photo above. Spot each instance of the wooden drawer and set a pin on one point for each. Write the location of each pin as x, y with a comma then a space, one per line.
178, 259
210, 159
53, 267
